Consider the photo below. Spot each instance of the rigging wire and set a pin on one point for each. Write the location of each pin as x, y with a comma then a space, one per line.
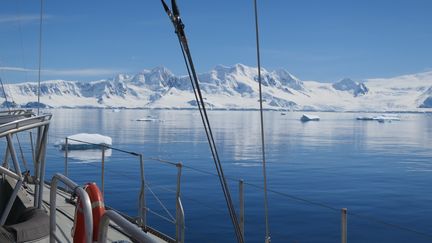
179, 30
21, 42
213, 148
264, 171
40, 54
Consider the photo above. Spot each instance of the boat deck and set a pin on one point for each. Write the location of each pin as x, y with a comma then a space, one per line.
64, 220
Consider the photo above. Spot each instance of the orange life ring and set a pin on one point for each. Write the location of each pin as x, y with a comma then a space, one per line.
98, 210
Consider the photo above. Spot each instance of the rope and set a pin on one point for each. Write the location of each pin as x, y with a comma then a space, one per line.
264, 171
40, 54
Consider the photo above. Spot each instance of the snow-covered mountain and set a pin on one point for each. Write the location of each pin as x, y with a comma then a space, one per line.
347, 84
234, 87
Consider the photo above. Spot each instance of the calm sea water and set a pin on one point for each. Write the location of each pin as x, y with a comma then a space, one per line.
381, 172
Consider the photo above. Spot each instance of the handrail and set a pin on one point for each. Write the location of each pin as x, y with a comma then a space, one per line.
20, 179
10, 173
132, 230
24, 124
85, 200
7, 130
16, 112
142, 208
10, 111
142, 212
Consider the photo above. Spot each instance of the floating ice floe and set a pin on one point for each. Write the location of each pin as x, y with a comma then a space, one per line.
148, 119
387, 118
381, 118
245, 164
83, 141
306, 118
366, 118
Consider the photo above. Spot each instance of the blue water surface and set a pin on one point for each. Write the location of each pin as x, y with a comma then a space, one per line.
381, 172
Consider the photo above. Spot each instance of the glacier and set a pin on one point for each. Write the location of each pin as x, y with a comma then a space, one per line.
229, 87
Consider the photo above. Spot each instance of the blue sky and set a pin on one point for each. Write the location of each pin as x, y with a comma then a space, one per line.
313, 39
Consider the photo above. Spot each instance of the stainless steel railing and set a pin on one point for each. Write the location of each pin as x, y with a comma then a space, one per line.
132, 230
85, 200
142, 204
142, 207
8, 130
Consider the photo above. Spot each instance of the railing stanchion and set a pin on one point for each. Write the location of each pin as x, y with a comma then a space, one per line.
344, 225
179, 208
241, 203
142, 203
66, 156
103, 172
85, 202
131, 229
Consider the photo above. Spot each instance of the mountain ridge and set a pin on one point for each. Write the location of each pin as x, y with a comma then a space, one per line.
231, 87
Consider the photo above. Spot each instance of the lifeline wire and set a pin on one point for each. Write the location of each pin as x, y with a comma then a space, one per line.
282, 194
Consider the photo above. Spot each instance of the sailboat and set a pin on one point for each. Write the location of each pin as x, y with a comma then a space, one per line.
35, 209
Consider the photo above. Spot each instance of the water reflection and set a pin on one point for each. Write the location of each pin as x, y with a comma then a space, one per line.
88, 156
237, 133
371, 167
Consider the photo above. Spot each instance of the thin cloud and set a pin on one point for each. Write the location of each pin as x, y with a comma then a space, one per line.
15, 69
65, 72
29, 18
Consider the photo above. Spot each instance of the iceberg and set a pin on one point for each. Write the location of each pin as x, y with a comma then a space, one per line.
381, 118
148, 119
82, 141
386, 118
306, 118
366, 118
